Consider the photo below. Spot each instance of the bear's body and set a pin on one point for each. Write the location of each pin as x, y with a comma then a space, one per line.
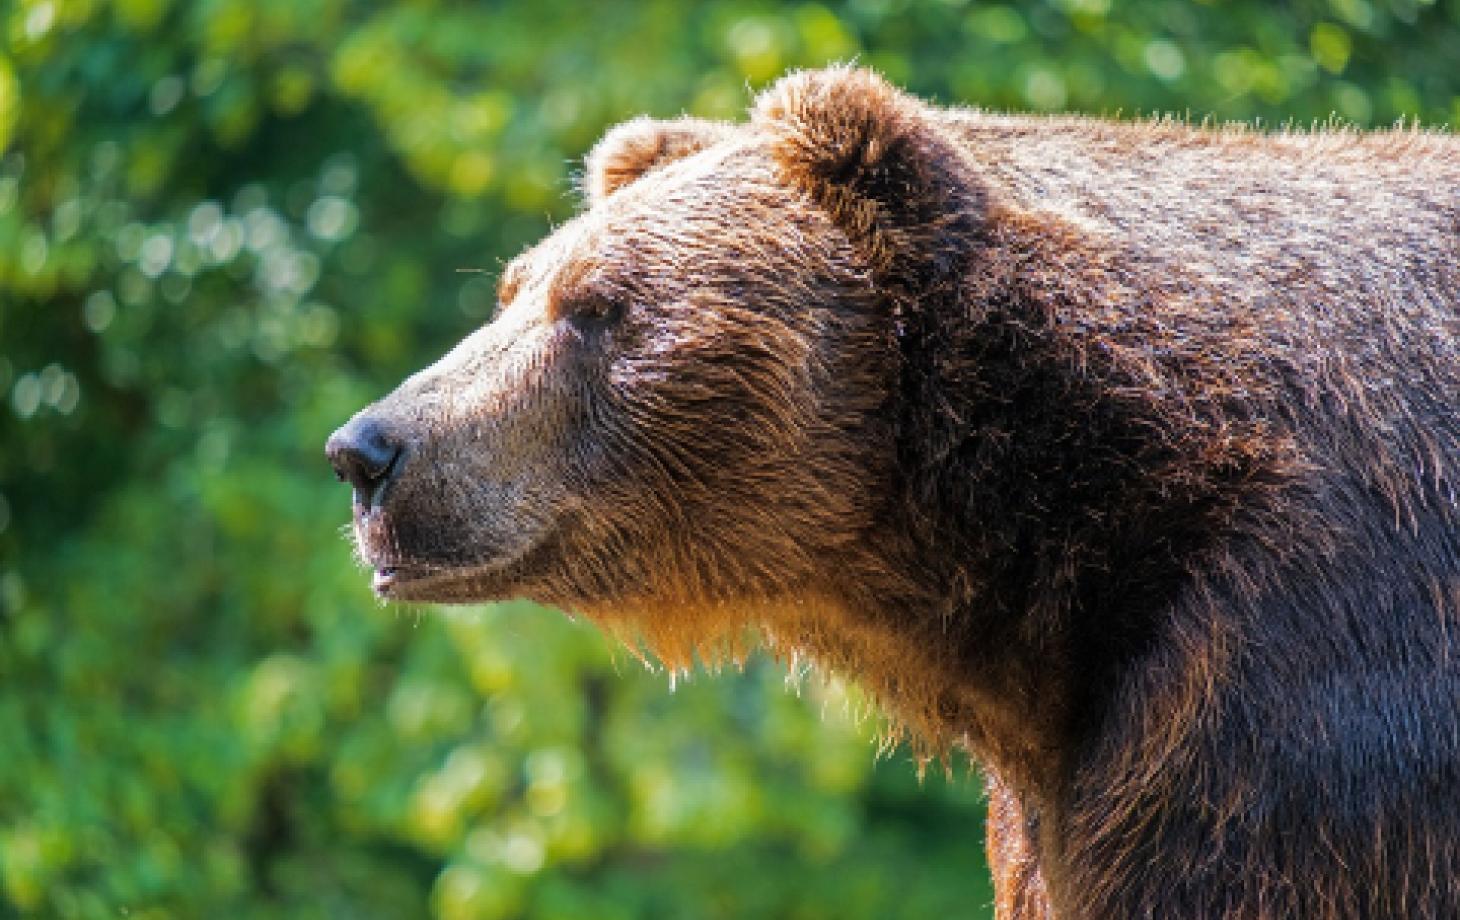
1287, 741
1125, 456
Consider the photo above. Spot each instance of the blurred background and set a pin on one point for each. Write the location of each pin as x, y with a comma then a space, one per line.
227, 224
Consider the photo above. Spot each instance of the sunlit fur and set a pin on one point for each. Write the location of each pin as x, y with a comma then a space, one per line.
1124, 456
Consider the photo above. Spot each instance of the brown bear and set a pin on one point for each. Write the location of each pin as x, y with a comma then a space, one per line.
1124, 456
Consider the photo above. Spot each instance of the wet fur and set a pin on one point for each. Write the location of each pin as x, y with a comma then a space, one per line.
1123, 455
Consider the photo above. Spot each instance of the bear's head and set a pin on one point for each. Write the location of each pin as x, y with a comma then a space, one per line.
688, 404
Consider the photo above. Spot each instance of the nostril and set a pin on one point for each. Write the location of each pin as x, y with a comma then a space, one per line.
363, 453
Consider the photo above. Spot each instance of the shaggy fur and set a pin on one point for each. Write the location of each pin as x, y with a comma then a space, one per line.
1124, 456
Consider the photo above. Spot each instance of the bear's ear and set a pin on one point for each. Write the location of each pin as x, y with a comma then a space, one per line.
876, 159
635, 147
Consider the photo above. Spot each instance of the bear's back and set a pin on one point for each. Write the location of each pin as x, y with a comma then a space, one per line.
1335, 253
1286, 215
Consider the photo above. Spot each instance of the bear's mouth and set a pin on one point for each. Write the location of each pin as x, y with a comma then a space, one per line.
396, 581
442, 584
456, 570
419, 583
398, 574
456, 581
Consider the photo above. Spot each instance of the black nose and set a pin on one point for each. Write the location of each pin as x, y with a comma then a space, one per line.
366, 454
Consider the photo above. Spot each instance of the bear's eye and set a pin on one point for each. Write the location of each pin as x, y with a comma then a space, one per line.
595, 313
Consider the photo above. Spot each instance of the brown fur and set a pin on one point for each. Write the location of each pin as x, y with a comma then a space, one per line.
635, 147
1124, 456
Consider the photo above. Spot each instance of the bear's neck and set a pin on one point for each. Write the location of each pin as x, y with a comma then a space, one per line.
1069, 461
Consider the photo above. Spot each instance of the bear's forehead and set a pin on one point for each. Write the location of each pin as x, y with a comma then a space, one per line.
722, 215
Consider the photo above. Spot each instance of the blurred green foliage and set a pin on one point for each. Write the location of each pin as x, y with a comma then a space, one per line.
226, 224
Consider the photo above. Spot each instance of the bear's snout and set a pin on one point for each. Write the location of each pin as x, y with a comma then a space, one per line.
368, 456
